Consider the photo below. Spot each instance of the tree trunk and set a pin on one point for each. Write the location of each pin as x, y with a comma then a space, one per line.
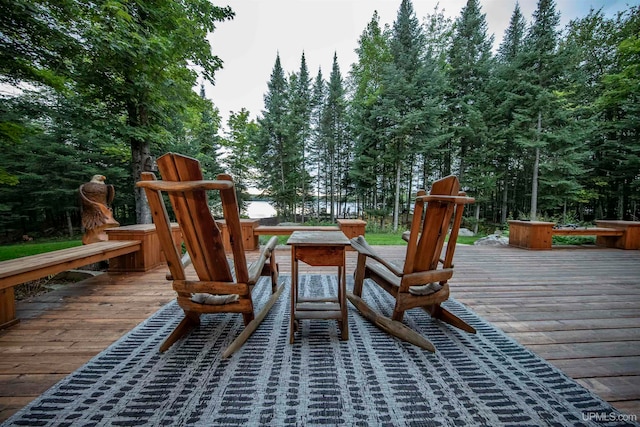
141, 162
536, 165
505, 199
69, 223
477, 216
621, 204
396, 201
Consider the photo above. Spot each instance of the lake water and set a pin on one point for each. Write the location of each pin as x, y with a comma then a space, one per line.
259, 209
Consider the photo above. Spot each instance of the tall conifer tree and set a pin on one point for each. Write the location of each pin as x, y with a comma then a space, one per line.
405, 108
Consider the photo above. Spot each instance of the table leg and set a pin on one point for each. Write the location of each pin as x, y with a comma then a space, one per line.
294, 294
342, 297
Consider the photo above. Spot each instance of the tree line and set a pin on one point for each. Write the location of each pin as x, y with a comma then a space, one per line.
544, 127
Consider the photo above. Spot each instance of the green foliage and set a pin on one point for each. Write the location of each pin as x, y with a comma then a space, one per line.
26, 249
546, 127
573, 240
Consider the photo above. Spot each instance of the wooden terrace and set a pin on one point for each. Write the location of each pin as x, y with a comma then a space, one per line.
577, 308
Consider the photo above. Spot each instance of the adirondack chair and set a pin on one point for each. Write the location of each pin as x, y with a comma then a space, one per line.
423, 280
218, 288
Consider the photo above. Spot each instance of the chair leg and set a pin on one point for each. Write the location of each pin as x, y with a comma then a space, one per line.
358, 279
273, 266
248, 317
397, 315
190, 321
438, 312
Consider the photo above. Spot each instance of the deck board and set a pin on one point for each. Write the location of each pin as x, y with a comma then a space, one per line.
578, 308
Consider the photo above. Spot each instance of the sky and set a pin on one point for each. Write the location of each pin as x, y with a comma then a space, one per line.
249, 44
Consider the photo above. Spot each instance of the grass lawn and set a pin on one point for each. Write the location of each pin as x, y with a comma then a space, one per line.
25, 249
32, 248
379, 239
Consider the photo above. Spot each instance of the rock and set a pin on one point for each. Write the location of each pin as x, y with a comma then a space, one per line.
492, 240
465, 232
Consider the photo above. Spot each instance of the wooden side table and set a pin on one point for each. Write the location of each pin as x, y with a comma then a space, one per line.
319, 248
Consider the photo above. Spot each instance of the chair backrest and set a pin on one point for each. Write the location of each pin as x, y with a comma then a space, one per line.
430, 226
201, 235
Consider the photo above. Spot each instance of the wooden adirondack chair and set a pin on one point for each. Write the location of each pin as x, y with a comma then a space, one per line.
218, 289
421, 283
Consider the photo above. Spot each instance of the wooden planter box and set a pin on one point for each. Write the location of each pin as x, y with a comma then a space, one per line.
149, 256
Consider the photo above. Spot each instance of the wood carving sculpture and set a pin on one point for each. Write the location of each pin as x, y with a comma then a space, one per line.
96, 196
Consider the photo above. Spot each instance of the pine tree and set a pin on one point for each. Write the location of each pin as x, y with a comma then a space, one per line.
506, 95
406, 108
316, 147
240, 160
366, 79
300, 129
541, 74
617, 151
333, 133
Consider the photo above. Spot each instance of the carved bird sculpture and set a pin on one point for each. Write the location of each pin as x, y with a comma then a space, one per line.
96, 196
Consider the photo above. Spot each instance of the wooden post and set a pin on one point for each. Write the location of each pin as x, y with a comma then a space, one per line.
7, 308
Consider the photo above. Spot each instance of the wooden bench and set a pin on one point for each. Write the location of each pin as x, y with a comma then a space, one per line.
130, 248
539, 234
251, 230
16, 271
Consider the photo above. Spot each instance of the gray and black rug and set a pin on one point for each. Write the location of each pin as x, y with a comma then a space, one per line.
372, 379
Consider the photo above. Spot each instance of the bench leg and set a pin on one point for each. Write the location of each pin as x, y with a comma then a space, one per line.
7, 308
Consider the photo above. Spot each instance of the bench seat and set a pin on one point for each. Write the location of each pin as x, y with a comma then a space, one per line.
609, 233
19, 270
590, 231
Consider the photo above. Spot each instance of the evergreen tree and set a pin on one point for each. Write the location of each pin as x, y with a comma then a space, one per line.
300, 130
506, 94
541, 74
374, 56
274, 145
333, 134
617, 151
240, 159
470, 66
316, 147
406, 108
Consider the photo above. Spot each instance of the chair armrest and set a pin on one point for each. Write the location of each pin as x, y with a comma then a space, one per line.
255, 268
460, 200
361, 245
182, 186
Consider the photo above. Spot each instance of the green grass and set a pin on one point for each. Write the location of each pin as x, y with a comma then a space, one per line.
26, 249
378, 239
574, 240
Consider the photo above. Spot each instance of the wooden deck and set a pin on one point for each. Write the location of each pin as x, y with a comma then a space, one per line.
577, 308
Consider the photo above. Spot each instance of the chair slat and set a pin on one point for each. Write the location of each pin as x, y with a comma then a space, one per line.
163, 229
200, 232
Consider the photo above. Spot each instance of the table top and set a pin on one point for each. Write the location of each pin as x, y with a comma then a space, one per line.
318, 238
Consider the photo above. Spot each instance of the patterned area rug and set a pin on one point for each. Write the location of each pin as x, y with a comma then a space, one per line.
372, 379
